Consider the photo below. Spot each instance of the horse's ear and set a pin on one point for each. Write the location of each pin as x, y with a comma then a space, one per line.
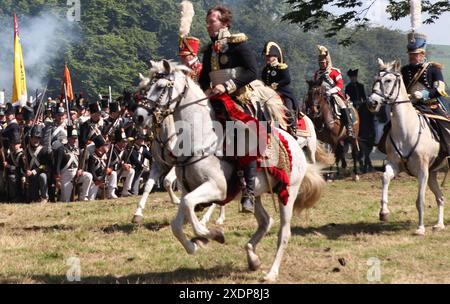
141, 77
397, 65
381, 64
167, 66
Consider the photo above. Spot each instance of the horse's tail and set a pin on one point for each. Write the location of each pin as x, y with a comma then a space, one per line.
324, 157
276, 110
311, 188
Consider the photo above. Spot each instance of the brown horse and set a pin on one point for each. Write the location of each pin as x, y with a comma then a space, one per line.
329, 129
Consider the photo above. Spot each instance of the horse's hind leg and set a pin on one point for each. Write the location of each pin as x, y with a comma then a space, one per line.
389, 173
221, 218
283, 235
434, 187
264, 224
355, 156
207, 216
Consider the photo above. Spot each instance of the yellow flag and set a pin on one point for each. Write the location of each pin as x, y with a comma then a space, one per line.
19, 83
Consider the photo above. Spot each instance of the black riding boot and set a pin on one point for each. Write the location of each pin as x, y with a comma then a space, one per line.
248, 198
292, 127
347, 120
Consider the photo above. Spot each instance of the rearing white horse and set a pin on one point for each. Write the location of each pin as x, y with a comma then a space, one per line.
411, 146
205, 177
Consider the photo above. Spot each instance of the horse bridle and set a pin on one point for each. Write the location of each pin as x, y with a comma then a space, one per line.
160, 113
388, 100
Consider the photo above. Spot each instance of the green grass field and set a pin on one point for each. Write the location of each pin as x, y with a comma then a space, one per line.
331, 243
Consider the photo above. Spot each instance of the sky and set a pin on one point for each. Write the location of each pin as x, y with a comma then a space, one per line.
438, 33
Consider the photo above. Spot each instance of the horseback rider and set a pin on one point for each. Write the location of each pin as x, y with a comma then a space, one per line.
425, 84
334, 83
228, 67
276, 75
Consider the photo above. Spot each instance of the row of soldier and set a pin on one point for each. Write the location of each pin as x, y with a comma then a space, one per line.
63, 153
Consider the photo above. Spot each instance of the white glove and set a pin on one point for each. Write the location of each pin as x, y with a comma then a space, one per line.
418, 95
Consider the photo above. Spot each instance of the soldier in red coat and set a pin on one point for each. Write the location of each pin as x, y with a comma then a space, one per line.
334, 84
188, 45
188, 52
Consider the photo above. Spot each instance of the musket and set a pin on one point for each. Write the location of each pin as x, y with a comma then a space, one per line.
127, 159
75, 179
112, 126
26, 164
107, 166
40, 107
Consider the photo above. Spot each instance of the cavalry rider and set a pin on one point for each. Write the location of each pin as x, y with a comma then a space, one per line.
334, 84
425, 84
228, 67
276, 75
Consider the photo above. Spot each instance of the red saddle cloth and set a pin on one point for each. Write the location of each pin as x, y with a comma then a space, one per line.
235, 113
302, 128
278, 171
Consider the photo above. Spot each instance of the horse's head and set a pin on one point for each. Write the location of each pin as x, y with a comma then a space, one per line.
387, 86
316, 95
166, 86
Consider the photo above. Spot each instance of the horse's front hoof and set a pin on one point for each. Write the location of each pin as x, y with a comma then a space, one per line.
137, 219
384, 217
200, 241
356, 178
217, 235
420, 231
438, 227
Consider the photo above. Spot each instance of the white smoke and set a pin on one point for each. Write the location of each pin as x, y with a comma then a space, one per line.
43, 40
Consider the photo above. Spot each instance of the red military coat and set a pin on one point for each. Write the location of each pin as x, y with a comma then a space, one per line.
334, 79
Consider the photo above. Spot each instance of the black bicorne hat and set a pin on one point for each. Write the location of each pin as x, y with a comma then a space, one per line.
273, 49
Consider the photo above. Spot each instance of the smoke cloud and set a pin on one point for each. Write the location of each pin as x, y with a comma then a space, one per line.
44, 38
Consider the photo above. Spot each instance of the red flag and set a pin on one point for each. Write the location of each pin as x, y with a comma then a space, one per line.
68, 82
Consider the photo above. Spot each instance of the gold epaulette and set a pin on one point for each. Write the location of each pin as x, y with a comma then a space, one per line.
437, 65
237, 38
282, 66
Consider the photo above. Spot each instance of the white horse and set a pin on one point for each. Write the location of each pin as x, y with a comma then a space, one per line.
314, 152
411, 146
204, 177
